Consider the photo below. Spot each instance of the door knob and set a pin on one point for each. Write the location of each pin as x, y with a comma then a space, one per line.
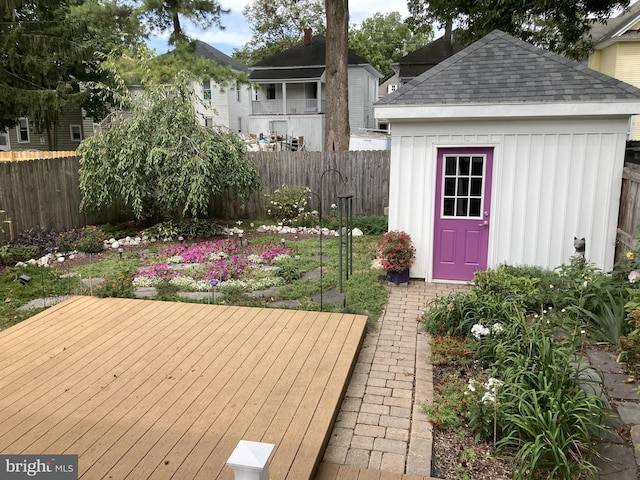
484, 224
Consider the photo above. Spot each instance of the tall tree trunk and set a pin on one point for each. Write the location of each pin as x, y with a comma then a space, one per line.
337, 101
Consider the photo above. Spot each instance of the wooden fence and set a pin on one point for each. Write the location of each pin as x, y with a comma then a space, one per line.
33, 155
364, 174
629, 214
45, 192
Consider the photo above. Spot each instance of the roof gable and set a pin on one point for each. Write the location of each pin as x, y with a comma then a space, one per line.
500, 68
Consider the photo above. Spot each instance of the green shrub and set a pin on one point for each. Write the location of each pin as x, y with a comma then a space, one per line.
373, 225
46, 240
549, 421
449, 408
289, 270
456, 313
509, 285
89, 239
287, 203
12, 254
120, 286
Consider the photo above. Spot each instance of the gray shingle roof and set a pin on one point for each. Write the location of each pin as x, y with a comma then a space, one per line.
601, 32
500, 68
204, 50
301, 55
424, 58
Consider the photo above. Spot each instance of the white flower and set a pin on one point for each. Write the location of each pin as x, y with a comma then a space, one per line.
488, 397
585, 284
493, 383
479, 330
497, 328
333, 206
239, 222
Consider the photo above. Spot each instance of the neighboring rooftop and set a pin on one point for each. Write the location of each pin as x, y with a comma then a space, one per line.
500, 68
311, 54
624, 26
204, 50
427, 57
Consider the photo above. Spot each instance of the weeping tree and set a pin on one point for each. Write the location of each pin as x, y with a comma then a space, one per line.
159, 158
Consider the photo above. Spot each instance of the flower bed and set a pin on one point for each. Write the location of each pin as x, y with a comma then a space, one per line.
225, 262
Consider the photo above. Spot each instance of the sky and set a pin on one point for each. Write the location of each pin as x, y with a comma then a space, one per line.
237, 31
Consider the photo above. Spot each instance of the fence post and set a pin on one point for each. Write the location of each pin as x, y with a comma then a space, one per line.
250, 460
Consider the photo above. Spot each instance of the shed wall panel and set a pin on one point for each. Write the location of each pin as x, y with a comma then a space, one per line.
552, 180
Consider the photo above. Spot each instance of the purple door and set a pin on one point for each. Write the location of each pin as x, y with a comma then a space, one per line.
463, 212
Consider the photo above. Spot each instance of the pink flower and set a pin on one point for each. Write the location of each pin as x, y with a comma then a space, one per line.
634, 275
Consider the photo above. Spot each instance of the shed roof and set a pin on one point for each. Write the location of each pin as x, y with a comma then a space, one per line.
501, 69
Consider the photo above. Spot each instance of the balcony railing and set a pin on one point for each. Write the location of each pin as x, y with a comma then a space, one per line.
294, 107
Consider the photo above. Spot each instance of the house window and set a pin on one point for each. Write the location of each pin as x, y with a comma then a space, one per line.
22, 130
237, 91
392, 88
208, 122
206, 90
255, 94
76, 133
240, 124
271, 91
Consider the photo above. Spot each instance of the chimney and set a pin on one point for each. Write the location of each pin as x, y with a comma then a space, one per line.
307, 36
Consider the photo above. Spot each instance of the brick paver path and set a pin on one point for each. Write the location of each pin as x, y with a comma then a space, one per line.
380, 425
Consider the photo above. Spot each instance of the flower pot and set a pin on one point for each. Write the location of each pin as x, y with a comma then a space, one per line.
398, 277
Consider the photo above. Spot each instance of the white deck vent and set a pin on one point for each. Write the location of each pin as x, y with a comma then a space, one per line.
250, 460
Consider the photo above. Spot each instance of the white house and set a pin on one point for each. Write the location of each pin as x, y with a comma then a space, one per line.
227, 105
290, 95
503, 153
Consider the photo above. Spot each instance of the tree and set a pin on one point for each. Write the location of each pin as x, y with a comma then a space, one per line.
336, 66
50, 59
561, 26
381, 39
277, 25
164, 15
161, 157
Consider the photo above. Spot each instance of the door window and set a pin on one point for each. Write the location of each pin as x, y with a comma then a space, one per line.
462, 186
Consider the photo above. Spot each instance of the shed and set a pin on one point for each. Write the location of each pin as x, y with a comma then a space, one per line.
503, 153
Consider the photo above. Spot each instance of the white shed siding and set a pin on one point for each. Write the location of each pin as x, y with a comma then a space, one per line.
552, 180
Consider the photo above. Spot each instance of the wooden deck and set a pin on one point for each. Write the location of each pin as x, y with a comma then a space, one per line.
146, 389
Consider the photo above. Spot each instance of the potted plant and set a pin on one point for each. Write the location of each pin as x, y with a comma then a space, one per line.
396, 253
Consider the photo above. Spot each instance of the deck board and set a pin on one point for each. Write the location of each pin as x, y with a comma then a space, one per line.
146, 389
